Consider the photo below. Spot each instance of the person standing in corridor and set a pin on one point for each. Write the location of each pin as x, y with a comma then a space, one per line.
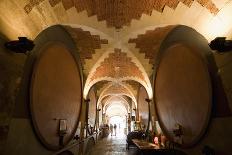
115, 128
111, 129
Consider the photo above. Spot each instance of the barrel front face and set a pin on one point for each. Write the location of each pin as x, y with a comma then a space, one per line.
183, 93
55, 95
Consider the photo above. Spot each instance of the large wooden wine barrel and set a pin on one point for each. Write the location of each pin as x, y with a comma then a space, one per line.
183, 87
55, 94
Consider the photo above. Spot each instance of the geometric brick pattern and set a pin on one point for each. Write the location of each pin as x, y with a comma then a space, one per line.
116, 89
117, 65
85, 42
118, 13
149, 42
115, 99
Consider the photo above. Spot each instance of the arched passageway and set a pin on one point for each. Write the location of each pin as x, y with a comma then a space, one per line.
144, 66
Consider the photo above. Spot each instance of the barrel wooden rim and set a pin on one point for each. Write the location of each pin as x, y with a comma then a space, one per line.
205, 126
34, 69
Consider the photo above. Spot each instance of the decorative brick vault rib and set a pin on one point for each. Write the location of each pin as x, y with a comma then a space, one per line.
135, 85
119, 13
121, 100
117, 65
118, 90
150, 42
85, 42
103, 98
100, 85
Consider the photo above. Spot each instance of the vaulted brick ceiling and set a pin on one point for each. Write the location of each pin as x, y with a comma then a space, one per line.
119, 13
86, 42
117, 65
117, 90
119, 100
100, 85
135, 85
149, 42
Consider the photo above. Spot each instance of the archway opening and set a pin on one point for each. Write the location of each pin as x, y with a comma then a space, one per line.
119, 121
116, 116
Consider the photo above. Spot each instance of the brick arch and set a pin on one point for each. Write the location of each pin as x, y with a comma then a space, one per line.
126, 92
117, 65
111, 98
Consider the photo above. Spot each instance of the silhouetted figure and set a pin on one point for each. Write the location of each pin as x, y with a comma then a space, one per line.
115, 128
20, 46
111, 129
221, 44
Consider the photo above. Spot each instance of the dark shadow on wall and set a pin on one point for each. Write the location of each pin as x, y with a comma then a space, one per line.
11, 70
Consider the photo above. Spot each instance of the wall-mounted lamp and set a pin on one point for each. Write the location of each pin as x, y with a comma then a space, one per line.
148, 100
20, 46
221, 44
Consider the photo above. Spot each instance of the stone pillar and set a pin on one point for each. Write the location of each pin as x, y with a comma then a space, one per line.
86, 115
129, 122
149, 114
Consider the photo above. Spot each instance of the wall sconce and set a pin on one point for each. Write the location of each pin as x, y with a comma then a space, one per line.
221, 44
148, 100
20, 46
178, 131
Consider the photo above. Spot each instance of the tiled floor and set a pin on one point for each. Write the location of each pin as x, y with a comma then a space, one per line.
112, 145
116, 145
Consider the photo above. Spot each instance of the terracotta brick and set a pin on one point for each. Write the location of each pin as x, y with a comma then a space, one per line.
67, 4
119, 13
116, 89
86, 43
135, 85
54, 2
149, 42
117, 65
